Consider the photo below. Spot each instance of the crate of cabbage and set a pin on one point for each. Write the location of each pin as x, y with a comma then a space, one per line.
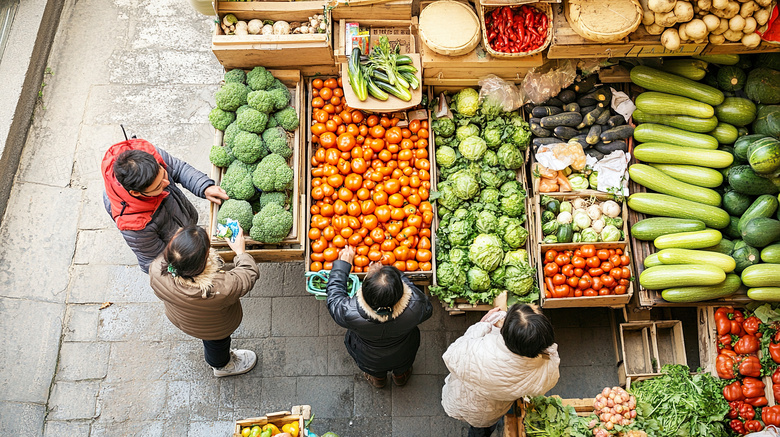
258, 159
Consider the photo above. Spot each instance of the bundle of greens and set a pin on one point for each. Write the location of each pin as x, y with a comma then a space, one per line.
547, 417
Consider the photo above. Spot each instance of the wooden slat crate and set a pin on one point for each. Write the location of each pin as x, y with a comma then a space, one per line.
298, 414
277, 51
294, 81
566, 43
738, 48
340, 29
648, 346
646, 45
372, 10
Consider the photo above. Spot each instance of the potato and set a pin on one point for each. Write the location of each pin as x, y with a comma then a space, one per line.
670, 39
750, 25
661, 5
711, 21
666, 19
717, 39
733, 35
654, 29
682, 33
683, 11
751, 40
648, 16
704, 5
764, 3
748, 8
719, 4
761, 16
737, 23
696, 29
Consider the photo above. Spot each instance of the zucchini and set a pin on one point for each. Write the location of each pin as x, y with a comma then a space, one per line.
692, 69
611, 147
742, 145
725, 133
668, 206
689, 240
660, 153
764, 155
587, 84
700, 293
764, 294
554, 101
686, 122
567, 96
571, 107
617, 133
764, 206
771, 254
570, 119
585, 109
761, 275
604, 116
736, 111
692, 174
719, 59
544, 111
538, 130
652, 79
594, 153
686, 256
736, 203
651, 132
616, 120
660, 182
590, 118
668, 104
725, 247
680, 275
652, 261
651, 228
546, 140
761, 232
593, 134
744, 179
565, 132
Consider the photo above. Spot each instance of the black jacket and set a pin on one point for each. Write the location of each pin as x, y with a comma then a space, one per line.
377, 343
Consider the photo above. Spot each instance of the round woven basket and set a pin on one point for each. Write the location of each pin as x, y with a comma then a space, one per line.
449, 27
544, 7
603, 21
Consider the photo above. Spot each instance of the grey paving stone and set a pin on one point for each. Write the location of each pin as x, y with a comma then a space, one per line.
45, 233
156, 67
104, 246
73, 400
295, 279
295, 356
444, 425
327, 326
29, 349
137, 321
421, 396
187, 362
138, 361
355, 427
372, 402
339, 360
148, 402
20, 419
93, 142
211, 428
257, 318
226, 401
177, 402
247, 395
175, 429
148, 35
113, 104
136, 427
117, 283
81, 322
82, 360
93, 213
413, 425
329, 396
270, 282
277, 394
586, 346
59, 428
574, 381
294, 316
204, 399
432, 346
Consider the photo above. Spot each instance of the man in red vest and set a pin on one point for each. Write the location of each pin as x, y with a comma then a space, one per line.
143, 199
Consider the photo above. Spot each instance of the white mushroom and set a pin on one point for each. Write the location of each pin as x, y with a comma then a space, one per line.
281, 28
654, 29
255, 26
267, 30
750, 25
717, 39
661, 5
711, 21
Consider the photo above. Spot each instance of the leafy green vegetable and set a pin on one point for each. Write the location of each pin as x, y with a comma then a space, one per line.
446, 156
472, 148
466, 131
510, 156
443, 127
479, 279
466, 102
485, 251
464, 185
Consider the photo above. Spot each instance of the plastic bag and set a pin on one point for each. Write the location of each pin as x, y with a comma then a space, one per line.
769, 431
542, 83
496, 91
561, 155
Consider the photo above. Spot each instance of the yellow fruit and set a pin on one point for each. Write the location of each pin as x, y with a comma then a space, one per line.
291, 428
246, 431
255, 431
272, 427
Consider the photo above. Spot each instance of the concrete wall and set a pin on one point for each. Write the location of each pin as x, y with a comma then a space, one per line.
21, 73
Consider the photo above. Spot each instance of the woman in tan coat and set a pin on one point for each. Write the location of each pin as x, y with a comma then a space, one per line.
202, 299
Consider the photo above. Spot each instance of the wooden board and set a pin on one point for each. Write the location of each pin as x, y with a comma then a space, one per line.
294, 81
372, 10
738, 48
566, 43
392, 103
340, 29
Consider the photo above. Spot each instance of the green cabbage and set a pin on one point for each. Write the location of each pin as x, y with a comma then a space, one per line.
446, 156
511, 187
479, 279
516, 258
466, 102
578, 181
514, 234
513, 205
493, 134
498, 275
460, 233
449, 275
490, 179
580, 220
610, 233
510, 156
490, 159
469, 130
464, 185
589, 235
519, 279
448, 199
486, 252
443, 127
487, 222
521, 132
488, 195
614, 221
459, 256
472, 148
461, 214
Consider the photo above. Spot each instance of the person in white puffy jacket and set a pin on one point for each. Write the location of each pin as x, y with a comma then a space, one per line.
491, 367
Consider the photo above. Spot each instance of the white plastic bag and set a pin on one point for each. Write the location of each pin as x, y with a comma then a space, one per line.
496, 91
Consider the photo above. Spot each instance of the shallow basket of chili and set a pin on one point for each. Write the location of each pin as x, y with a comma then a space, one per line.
515, 31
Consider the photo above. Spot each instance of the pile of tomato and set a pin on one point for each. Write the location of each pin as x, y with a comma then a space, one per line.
370, 185
586, 271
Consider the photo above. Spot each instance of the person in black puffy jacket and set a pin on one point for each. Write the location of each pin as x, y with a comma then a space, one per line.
381, 319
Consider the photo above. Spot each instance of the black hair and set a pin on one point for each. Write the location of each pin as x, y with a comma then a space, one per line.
136, 170
383, 289
527, 331
188, 251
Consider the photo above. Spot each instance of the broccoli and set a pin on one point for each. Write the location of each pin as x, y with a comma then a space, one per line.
235, 75
275, 139
261, 100
273, 174
271, 123
287, 118
237, 181
231, 96
278, 197
252, 120
259, 79
229, 137
242, 108
221, 156
238, 210
249, 147
280, 97
271, 224
221, 119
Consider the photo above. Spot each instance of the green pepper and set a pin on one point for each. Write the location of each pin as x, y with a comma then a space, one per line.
266, 433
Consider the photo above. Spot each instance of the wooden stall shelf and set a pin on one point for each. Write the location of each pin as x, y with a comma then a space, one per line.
585, 194
298, 414
645, 45
738, 48
293, 80
272, 51
568, 44
468, 69
372, 9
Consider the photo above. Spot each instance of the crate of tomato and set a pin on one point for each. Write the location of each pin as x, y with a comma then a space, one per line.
369, 180
515, 31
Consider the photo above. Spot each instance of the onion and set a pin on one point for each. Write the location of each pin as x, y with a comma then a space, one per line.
633, 414
605, 410
610, 403
618, 408
605, 392
627, 414
618, 399
615, 418
608, 425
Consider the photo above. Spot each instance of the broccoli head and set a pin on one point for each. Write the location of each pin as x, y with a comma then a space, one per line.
238, 210
221, 119
256, 207
280, 97
287, 118
275, 139
271, 123
243, 108
261, 100
229, 137
249, 147
252, 120
259, 79
235, 75
231, 96
273, 174
221, 156
277, 197
271, 224
237, 181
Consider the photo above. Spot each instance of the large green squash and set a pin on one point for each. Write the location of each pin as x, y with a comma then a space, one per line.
764, 155
768, 60
763, 86
761, 123
744, 255
736, 111
731, 78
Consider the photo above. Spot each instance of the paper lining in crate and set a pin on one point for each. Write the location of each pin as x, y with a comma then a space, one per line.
485, 6
299, 414
292, 79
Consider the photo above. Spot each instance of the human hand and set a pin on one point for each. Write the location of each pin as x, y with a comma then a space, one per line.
216, 194
373, 267
239, 245
494, 316
347, 254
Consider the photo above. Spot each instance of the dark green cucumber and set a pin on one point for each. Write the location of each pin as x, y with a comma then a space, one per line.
744, 255
761, 232
617, 133
744, 179
565, 132
544, 111
569, 119
725, 247
593, 134
736, 203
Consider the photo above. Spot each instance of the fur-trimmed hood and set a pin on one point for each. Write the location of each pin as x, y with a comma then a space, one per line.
205, 280
398, 308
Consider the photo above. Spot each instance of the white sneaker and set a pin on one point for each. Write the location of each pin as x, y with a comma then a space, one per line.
241, 361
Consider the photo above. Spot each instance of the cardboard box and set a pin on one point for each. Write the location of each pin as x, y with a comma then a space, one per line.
396, 35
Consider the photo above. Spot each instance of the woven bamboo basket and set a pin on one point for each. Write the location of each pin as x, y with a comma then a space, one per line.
483, 9
455, 35
603, 21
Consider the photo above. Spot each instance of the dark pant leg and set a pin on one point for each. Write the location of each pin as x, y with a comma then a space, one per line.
481, 432
217, 352
401, 370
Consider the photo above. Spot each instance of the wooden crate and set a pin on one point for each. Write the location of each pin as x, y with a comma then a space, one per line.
373, 9
340, 29
645, 45
467, 70
738, 48
647, 346
299, 414
294, 81
277, 51
566, 43
586, 194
